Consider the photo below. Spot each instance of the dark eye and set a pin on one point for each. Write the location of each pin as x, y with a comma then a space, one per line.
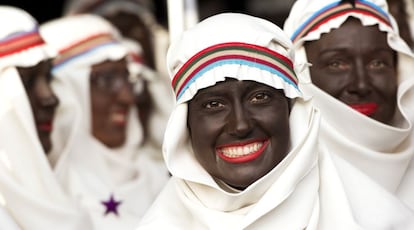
213, 105
377, 64
338, 65
260, 97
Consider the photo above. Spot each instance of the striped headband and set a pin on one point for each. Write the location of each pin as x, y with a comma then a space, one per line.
19, 42
82, 47
337, 9
233, 53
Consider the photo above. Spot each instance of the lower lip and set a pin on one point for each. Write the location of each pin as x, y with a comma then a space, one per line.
245, 158
46, 127
119, 122
366, 109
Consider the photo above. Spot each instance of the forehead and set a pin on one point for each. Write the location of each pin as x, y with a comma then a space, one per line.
110, 65
351, 35
233, 89
231, 84
353, 29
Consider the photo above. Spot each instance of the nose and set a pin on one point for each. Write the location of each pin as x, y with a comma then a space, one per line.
125, 94
46, 96
360, 82
239, 122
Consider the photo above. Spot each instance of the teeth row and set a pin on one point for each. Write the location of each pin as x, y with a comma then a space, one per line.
241, 150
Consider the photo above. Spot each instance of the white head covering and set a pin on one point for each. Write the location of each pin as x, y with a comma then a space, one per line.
27, 183
381, 151
88, 170
143, 9
305, 190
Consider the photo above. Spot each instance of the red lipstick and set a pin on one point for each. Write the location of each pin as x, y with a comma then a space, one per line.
242, 153
366, 108
45, 126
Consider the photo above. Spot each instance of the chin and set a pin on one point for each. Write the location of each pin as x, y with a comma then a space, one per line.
115, 143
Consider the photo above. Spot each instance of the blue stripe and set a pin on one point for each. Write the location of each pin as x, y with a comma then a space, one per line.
316, 14
377, 8
330, 6
84, 53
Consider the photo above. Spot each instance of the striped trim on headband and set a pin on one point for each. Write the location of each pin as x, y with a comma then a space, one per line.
82, 47
19, 42
233, 53
337, 9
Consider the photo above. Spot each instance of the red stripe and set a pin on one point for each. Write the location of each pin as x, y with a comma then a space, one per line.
82, 41
338, 14
20, 43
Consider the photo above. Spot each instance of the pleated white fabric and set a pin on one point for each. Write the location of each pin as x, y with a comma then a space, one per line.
383, 152
310, 189
31, 193
87, 169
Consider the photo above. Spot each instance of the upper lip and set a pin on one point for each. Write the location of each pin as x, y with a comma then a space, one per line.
240, 143
366, 108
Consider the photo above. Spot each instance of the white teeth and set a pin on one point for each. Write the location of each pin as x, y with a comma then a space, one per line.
238, 151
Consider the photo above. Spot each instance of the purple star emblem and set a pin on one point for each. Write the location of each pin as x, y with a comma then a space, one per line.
111, 205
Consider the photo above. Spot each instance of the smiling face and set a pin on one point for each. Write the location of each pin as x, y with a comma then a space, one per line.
355, 64
239, 130
43, 101
111, 98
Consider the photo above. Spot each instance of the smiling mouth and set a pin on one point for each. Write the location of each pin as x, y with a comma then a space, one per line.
365, 108
241, 153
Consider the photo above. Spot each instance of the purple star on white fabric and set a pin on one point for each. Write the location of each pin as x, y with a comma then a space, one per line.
111, 205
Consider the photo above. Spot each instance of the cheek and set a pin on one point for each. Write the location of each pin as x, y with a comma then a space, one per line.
386, 85
100, 108
332, 83
204, 132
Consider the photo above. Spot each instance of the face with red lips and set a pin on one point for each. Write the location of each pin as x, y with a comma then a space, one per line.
239, 130
111, 98
355, 64
43, 101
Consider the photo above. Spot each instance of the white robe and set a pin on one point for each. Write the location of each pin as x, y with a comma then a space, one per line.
310, 188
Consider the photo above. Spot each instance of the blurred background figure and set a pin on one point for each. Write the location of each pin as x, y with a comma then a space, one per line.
401, 10
133, 18
27, 105
137, 23
100, 160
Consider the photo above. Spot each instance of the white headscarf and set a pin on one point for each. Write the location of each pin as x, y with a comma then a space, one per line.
143, 9
305, 190
381, 151
86, 168
27, 183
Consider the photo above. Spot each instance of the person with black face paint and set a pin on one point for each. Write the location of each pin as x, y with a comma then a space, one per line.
242, 143
361, 77
28, 187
